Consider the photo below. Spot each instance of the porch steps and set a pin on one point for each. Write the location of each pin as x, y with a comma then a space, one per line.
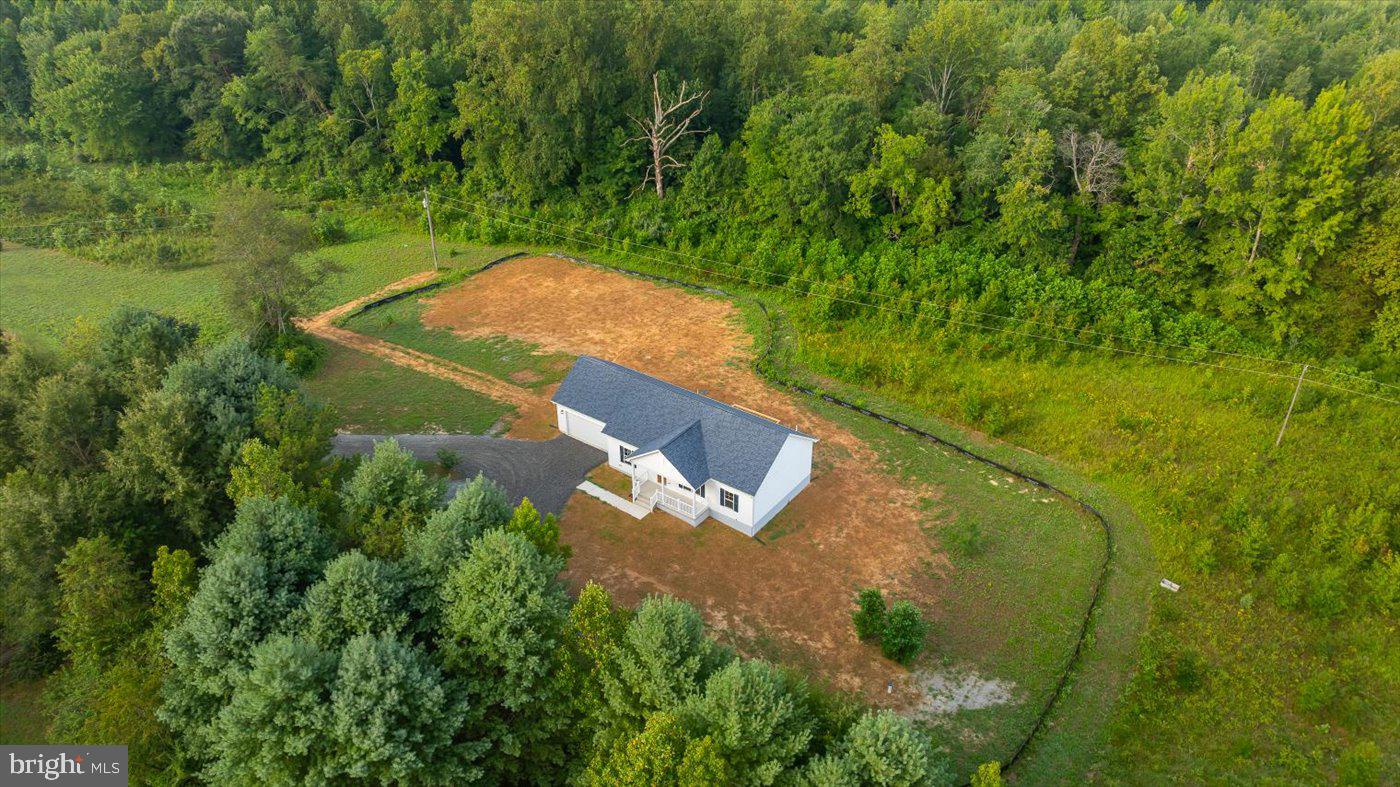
620, 503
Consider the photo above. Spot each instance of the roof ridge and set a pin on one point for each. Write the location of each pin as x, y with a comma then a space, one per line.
729, 408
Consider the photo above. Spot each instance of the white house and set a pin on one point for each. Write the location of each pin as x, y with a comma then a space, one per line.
687, 454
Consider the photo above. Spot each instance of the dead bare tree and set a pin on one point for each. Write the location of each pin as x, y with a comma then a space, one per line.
665, 128
1094, 161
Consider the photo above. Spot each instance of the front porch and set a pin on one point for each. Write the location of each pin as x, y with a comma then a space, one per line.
677, 502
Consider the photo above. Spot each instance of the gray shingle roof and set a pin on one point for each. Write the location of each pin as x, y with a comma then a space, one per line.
685, 450
701, 437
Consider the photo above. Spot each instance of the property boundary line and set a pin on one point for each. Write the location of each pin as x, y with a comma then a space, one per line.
763, 366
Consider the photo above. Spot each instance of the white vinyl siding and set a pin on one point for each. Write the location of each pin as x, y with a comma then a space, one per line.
582, 428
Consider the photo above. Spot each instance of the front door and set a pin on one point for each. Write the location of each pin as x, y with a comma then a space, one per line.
661, 479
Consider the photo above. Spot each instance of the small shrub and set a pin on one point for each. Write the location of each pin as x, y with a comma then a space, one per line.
988, 775
966, 537
1327, 593
1187, 670
1318, 692
298, 352
329, 228
904, 632
448, 459
1360, 766
869, 617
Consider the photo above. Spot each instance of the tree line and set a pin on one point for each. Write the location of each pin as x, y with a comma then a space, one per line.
1217, 174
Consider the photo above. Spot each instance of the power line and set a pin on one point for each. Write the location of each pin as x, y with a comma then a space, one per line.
950, 320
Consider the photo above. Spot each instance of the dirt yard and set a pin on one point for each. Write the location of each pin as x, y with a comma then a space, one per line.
788, 598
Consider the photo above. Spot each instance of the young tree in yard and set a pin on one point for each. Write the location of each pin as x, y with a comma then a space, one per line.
904, 633
501, 634
669, 123
869, 617
388, 496
543, 532
266, 284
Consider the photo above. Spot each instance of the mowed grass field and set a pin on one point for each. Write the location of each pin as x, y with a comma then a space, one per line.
43, 291
1024, 563
511, 360
373, 396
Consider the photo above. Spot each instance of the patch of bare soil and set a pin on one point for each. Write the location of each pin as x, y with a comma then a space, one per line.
855, 526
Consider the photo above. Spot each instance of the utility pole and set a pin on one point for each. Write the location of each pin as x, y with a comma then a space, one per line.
432, 237
1293, 401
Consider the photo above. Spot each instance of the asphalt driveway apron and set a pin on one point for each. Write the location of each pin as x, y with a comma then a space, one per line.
546, 471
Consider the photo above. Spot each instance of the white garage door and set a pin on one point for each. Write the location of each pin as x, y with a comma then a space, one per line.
583, 429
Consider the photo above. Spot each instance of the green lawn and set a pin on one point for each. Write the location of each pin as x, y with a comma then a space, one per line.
499, 356
42, 291
1012, 606
373, 396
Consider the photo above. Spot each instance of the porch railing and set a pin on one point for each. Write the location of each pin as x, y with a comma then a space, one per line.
659, 496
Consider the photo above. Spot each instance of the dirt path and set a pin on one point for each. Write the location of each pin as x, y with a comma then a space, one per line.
323, 325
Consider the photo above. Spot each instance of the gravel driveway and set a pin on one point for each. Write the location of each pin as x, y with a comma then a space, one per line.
546, 471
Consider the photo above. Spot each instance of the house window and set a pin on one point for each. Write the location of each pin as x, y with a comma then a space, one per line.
686, 488
622, 453
729, 500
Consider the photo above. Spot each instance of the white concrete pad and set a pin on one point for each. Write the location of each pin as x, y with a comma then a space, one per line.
620, 503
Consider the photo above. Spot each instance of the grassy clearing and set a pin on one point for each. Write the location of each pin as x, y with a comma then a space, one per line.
514, 361
1185, 447
373, 396
22, 719
1024, 563
380, 259
43, 291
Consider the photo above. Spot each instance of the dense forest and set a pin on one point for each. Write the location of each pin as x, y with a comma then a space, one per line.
1217, 174
959, 203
